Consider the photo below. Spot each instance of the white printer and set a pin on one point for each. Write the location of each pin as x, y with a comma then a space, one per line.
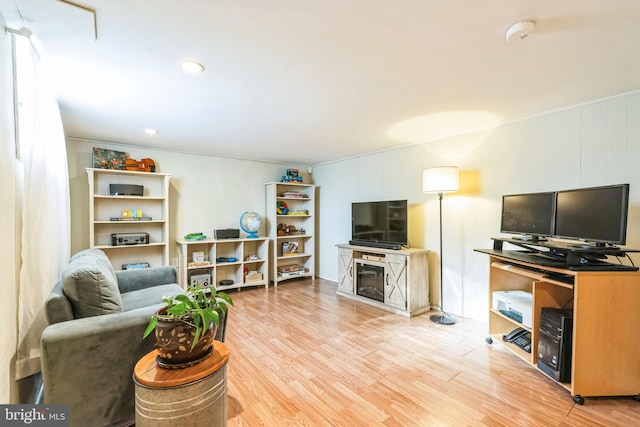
515, 305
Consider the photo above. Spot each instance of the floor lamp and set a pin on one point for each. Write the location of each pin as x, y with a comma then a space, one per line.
441, 180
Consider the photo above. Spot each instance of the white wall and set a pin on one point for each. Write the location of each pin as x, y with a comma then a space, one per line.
206, 192
9, 225
592, 144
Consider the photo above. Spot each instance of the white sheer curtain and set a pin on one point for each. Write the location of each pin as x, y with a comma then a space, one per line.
45, 211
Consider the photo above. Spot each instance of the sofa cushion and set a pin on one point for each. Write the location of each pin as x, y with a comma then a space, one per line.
95, 253
148, 296
98, 254
90, 284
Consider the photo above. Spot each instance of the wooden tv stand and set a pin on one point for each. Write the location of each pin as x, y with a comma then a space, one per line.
405, 275
605, 358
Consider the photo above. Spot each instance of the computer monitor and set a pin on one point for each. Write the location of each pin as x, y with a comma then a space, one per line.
529, 215
595, 214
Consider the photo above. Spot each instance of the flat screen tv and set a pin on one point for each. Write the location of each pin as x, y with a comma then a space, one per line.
530, 215
379, 224
594, 215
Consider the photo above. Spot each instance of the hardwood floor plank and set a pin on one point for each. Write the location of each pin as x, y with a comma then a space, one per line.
302, 356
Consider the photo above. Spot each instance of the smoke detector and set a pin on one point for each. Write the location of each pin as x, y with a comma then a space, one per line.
519, 30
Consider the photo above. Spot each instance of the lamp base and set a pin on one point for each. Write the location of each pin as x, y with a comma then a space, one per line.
442, 319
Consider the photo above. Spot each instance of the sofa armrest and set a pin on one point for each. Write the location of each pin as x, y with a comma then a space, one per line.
133, 280
92, 360
57, 306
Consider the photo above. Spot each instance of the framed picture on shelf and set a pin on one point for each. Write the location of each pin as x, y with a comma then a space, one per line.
109, 159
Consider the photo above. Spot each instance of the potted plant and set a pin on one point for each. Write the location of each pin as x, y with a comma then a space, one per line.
186, 327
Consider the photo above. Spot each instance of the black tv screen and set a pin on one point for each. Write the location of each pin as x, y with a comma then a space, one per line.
528, 214
379, 222
595, 214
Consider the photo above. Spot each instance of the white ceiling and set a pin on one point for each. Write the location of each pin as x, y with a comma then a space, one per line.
312, 81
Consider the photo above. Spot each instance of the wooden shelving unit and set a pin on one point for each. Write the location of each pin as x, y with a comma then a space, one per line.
248, 269
300, 213
153, 203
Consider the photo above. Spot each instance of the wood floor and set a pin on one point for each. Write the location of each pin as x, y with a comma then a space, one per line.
302, 356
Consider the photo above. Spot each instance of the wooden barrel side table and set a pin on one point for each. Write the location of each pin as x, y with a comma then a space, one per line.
189, 397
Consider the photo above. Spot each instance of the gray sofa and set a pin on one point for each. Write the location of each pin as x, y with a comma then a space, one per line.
97, 317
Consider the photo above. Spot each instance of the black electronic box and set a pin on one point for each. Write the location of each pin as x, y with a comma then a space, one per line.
227, 233
554, 343
126, 190
124, 239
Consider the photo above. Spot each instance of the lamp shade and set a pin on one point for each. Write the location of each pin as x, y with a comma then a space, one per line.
442, 179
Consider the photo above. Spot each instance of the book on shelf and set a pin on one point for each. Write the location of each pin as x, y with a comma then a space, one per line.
293, 273
135, 266
294, 195
141, 218
291, 268
194, 237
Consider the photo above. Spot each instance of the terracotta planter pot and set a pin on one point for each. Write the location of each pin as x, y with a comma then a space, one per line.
174, 338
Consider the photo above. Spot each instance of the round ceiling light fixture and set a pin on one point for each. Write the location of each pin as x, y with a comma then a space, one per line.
519, 30
191, 66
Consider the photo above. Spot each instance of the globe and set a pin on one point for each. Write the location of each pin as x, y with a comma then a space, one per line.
250, 223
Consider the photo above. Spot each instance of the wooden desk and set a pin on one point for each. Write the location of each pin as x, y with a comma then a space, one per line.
605, 351
193, 396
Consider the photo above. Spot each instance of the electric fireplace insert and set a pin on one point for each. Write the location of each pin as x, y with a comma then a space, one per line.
370, 280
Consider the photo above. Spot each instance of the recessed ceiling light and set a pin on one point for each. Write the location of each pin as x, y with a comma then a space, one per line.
150, 131
519, 30
191, 66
